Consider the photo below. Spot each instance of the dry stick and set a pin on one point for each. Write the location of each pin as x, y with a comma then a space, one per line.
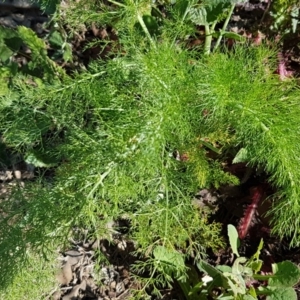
266, 11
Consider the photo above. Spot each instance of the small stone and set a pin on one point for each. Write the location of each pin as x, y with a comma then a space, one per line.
112, 295
122, 245
56, 295
18, 17
18, 174
119, 268
120, 288
113, 285
66, 275
236, 18
23, 3
102, 289
7, 175
8, 22
73, 253
73, 260
126, 281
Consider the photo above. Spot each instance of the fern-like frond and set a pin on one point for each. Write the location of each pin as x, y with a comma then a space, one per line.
239, 91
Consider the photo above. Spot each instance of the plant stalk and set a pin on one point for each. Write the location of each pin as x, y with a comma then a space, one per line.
208, 37
208, 40
224, 27
142, 23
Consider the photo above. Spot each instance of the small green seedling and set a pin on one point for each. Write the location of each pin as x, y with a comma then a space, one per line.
237, 281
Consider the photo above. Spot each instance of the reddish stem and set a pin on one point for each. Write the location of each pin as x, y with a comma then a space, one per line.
281, 69
256, 196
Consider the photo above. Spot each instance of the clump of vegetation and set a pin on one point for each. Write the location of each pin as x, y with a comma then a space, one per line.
132, 137
241, 280
112, 132
36, 280
285, 15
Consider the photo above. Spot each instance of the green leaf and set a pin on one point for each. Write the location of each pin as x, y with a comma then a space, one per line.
233, 239
14, 43
207, 268
168, 261
195, 289
5, 52
191, 285
224, 268
49, 6
256, 265
230, 35
216, 12
241, 156
219, 279
39, 54
252, 292
37, 45
9, 43
40, 159
199, 16
249, 297
56, 39
209, 12
162, 253
150, 23
236, 283
286, 274
254, 262
282, 294
210, 146
180, 8
67, 56
237, 267
259, 248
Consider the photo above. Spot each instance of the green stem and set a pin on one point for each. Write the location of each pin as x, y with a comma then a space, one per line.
208, 40
208, 37
90, 77
211, 147
142, 23
263, 291
224, 26
262, 277
117, 3
213, 25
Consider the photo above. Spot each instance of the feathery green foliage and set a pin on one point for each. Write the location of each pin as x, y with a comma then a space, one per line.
114, 131
176, 22
263, 114
36, 281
